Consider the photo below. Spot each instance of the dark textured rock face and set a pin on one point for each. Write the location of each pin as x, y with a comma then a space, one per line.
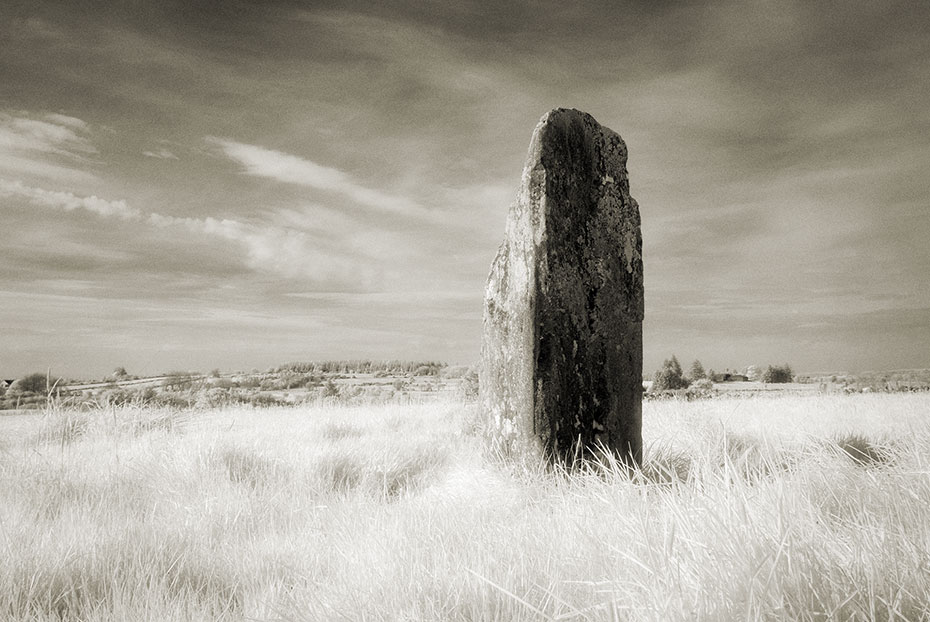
561, 369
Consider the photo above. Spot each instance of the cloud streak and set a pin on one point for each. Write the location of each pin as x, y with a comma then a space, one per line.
271, 249
285, 252
68, 201
160, 154
52, 146
55, 134
291, 169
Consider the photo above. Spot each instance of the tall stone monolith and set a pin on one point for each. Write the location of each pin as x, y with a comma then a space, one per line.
562, 351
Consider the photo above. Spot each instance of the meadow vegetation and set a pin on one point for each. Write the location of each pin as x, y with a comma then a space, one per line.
786, 507
360, 381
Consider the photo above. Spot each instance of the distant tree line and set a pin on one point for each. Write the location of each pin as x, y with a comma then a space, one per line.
671, 376
363, 366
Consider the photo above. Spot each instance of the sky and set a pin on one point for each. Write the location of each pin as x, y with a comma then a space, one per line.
200, 184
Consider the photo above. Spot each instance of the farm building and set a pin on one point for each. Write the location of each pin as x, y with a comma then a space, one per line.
728, 377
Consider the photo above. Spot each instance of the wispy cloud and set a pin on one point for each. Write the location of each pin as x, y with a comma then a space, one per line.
161, 153
292, 169
278, 250
12, 164
68, 201
56, 134
72, 122
268, 248
51, 146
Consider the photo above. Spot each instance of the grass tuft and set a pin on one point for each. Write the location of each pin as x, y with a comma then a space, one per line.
339, 430
385, 474
863, 451
340, 471
666, 466
251, 468
64, 426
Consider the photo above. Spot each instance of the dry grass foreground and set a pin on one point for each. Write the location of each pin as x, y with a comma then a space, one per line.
779, 508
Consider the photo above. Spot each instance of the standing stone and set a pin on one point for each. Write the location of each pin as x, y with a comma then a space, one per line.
562, 351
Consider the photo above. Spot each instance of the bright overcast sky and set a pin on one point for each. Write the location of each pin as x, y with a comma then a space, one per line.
193, 184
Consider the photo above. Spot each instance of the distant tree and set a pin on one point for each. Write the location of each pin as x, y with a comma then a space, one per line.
754, 373
120, 372
776, 374
711, 375
670, 376
697, 371
37, 383
215, 373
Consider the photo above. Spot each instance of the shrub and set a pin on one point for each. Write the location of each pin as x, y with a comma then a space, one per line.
454, 371
214, 397
330, 389
296, 381
699, 389
178, 381
169, 399
248, 382
468, 388
221, 383
265, 399
118, 397
778, 374
427, 370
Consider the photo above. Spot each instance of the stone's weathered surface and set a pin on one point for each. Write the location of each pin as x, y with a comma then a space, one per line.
562, 347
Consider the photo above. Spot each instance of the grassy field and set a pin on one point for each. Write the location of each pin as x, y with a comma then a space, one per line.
775, 507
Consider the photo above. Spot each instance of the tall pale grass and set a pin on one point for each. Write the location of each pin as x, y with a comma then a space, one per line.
790, 508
